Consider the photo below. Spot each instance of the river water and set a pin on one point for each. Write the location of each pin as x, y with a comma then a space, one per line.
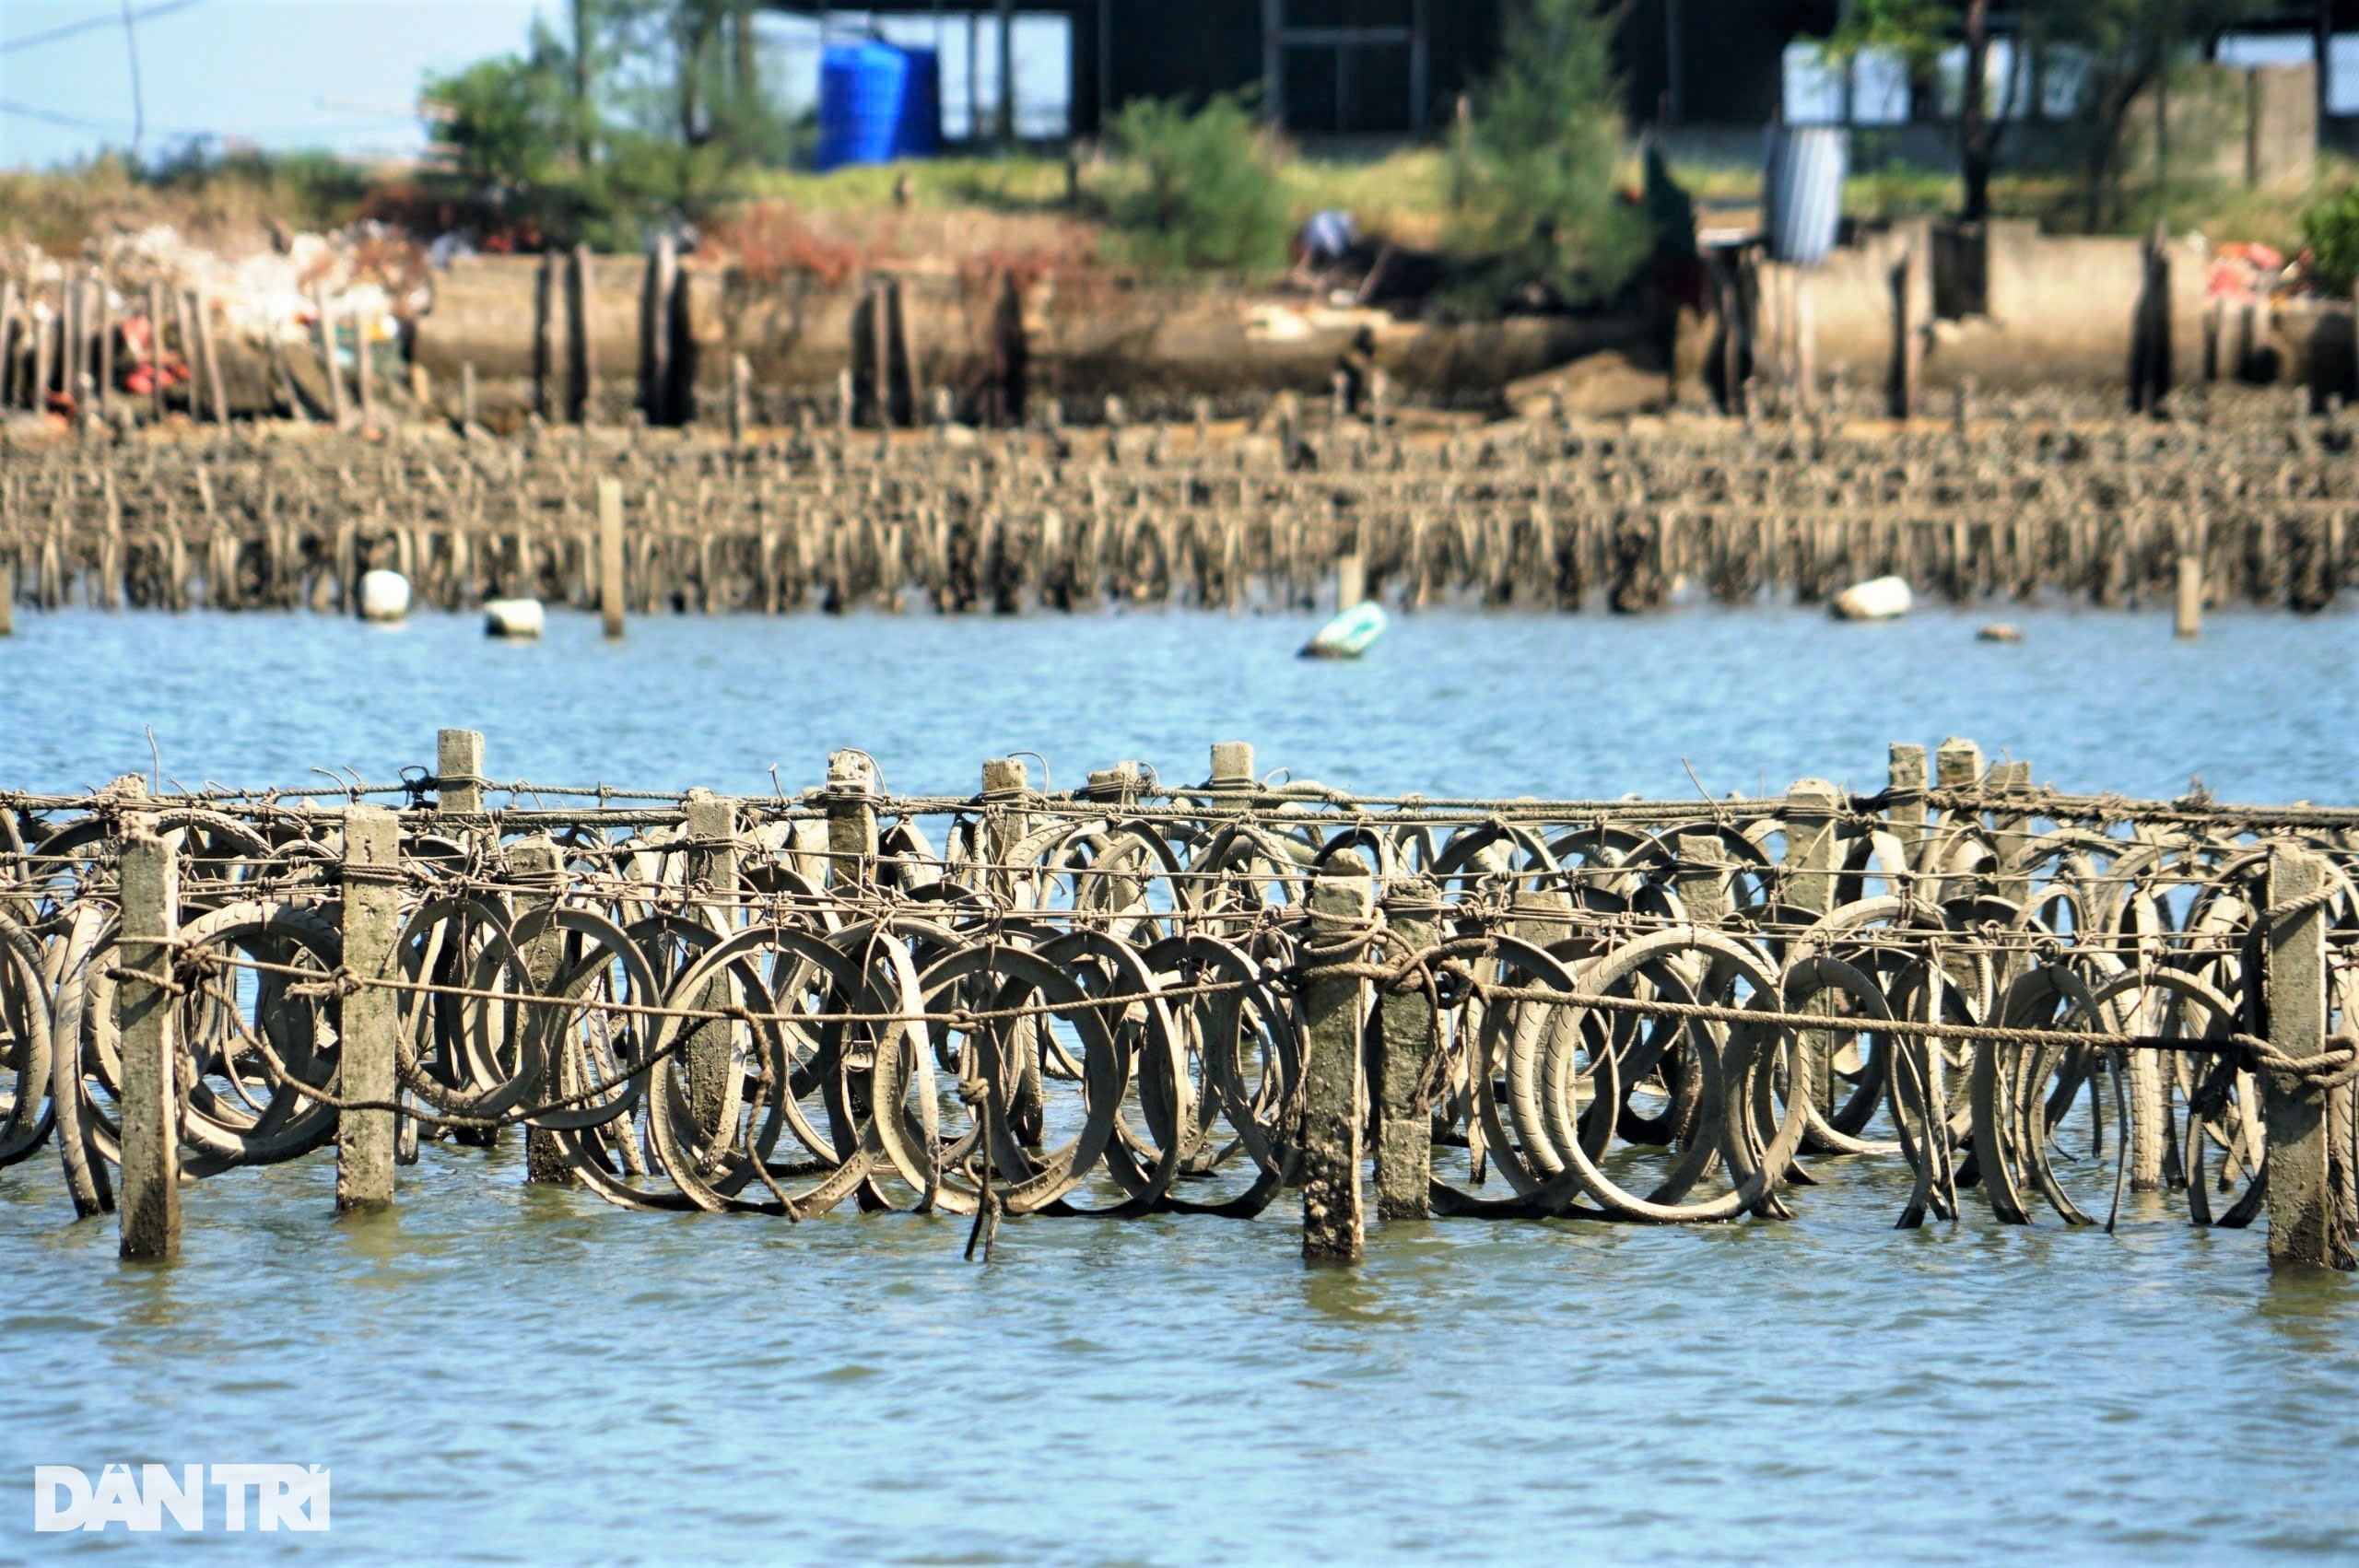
493, 1372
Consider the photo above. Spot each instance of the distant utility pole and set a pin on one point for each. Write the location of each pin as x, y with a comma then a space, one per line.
138, 100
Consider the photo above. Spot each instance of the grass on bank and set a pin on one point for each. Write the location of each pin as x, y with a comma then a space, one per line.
1404, 197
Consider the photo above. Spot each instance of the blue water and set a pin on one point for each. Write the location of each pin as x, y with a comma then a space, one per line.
496, 1373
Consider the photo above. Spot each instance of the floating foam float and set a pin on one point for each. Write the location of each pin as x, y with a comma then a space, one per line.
512, 617
1878, 598
1349, 634
384, 595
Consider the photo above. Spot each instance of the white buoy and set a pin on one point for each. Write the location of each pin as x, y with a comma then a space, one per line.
1878, 598
384, 595
512, 617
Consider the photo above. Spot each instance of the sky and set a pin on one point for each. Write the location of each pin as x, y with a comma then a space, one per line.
343, 75
337, 73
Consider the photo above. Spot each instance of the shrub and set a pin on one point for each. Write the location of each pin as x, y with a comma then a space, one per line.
1202, 192
1536, 169
2330, 230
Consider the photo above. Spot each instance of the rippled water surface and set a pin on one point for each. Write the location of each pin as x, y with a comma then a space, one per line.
495, 1372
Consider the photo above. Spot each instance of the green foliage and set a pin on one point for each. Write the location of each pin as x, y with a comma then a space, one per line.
2330, 230
1536, 169
649, 109
1916, 31
511, 118
1206, 194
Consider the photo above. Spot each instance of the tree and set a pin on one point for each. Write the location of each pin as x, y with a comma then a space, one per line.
1206, 195
2126, 47
508, 119
1918, 33
1536, 166
2122, 47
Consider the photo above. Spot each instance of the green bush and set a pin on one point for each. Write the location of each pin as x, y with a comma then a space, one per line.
1204, 193
2330, 230
1535, 173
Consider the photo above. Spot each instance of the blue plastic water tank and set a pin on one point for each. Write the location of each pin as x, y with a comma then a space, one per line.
1801, 190
919, 131
877, 102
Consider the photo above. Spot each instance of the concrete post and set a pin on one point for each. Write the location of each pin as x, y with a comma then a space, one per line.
851, 820
371, 1016
536, 866
2309, 1181
1334, 1074
1701, 878
610, 555
1905, 800
458, 764
1005, 784
1811, 806
1810, 863
2011, 827
713, 866
149, 1204
1957, 764
1232, 766
2187, 618
1403, 1127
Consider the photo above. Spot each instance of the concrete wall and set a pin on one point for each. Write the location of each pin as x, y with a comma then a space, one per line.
2032, 310
1088, 335
2254, 125
2000, 303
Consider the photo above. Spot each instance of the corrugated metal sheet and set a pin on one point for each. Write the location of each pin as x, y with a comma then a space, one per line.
1801, 190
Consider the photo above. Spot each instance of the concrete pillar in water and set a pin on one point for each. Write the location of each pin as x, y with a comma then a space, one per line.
1404, 1124
1957, 764
1006, 782
458, 771
1233, 764
851, 820
1701, 878
610, 555
1342, 897
1903, 809
712, 872
2187, 620
370, 1015
2011, 829
2309, 1181
536, 866
1811, 806
1810, 861
149, 1203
